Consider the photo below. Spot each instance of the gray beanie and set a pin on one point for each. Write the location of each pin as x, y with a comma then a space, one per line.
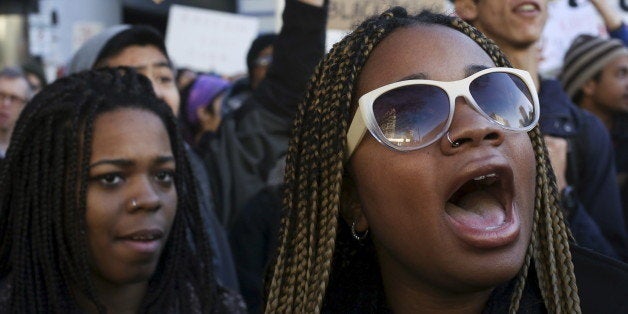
85, 57
587, 56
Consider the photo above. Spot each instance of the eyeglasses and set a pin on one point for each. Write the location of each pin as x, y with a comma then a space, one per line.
11, 99
264, 60
409, 115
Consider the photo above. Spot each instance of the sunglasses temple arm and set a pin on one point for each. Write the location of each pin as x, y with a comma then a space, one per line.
355, 134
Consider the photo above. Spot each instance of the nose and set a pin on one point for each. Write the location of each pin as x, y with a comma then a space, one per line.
158, 90
470, 129
144, 196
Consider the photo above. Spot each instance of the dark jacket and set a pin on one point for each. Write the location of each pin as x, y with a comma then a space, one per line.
251, 140
619, 135
591, 159
254, 239
224, 268
602, 286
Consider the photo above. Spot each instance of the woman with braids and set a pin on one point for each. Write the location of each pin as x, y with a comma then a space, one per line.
97, 210
447, 203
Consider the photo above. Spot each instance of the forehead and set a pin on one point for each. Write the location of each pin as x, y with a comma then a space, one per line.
618, 62
435, 51
138, 56
14, 85
129, 133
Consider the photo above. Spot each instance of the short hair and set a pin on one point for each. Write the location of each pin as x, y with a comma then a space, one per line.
137, 35
43, 189
15, 74
260, 43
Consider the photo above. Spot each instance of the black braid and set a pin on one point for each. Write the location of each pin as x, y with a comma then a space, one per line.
43, 188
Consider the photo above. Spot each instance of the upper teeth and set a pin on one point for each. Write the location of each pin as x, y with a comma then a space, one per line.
527, 7
490, 175
142, 238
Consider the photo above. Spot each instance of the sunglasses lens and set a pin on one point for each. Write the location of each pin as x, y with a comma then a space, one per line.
412, 115
505, 98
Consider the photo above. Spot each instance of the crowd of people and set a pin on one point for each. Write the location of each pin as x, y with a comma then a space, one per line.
422, 165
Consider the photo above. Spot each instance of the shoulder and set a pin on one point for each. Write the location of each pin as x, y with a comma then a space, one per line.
561, 117
602, 282
558, 112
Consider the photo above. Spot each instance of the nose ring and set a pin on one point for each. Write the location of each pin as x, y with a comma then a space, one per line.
455, 143
133, 204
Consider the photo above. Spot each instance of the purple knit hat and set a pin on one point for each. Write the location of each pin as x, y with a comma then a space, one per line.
205, 89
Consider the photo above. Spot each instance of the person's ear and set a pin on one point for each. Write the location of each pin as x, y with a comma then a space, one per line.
589, 87
203, 116
466, 9
351, 207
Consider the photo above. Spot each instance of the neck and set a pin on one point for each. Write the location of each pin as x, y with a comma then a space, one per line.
404, 298
604, 116
406, 293
116, 298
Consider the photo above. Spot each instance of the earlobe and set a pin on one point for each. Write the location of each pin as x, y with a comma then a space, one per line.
466, 9
589, 87
351, 208
352, 213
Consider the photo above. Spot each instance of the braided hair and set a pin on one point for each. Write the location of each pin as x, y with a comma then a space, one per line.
317, 259
43, 187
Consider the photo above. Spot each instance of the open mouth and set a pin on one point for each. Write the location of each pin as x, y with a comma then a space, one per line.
481, 209
479, 203
146, 242
528, 9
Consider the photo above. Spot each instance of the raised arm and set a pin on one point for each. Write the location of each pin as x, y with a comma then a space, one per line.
251, 141
612, 18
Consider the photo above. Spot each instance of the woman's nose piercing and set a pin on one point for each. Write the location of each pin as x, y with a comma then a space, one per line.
455, 143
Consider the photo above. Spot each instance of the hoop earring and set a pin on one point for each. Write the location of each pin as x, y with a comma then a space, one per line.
455, 143
354, 233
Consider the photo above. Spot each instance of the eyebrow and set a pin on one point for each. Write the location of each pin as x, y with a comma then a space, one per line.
125, 163
415, 76
468, 71
474, 68
160, 64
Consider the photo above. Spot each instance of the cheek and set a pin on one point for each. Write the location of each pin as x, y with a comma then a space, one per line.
171, 97
525, 180
170, 207
398, 191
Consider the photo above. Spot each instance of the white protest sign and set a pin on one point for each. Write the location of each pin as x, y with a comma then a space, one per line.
209, 41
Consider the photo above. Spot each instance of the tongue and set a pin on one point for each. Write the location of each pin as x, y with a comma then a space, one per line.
478, 210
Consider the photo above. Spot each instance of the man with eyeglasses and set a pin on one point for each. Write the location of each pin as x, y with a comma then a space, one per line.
15, 92
579, 146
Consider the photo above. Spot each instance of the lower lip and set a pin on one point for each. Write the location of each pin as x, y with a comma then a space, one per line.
143, 247
502, 235
528, 14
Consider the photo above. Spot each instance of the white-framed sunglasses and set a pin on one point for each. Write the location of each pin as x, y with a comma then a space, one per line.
412, 114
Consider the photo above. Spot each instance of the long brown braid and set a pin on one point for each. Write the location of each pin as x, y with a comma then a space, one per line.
314, 256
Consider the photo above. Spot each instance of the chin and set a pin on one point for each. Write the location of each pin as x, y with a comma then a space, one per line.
502, 267
489, 275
